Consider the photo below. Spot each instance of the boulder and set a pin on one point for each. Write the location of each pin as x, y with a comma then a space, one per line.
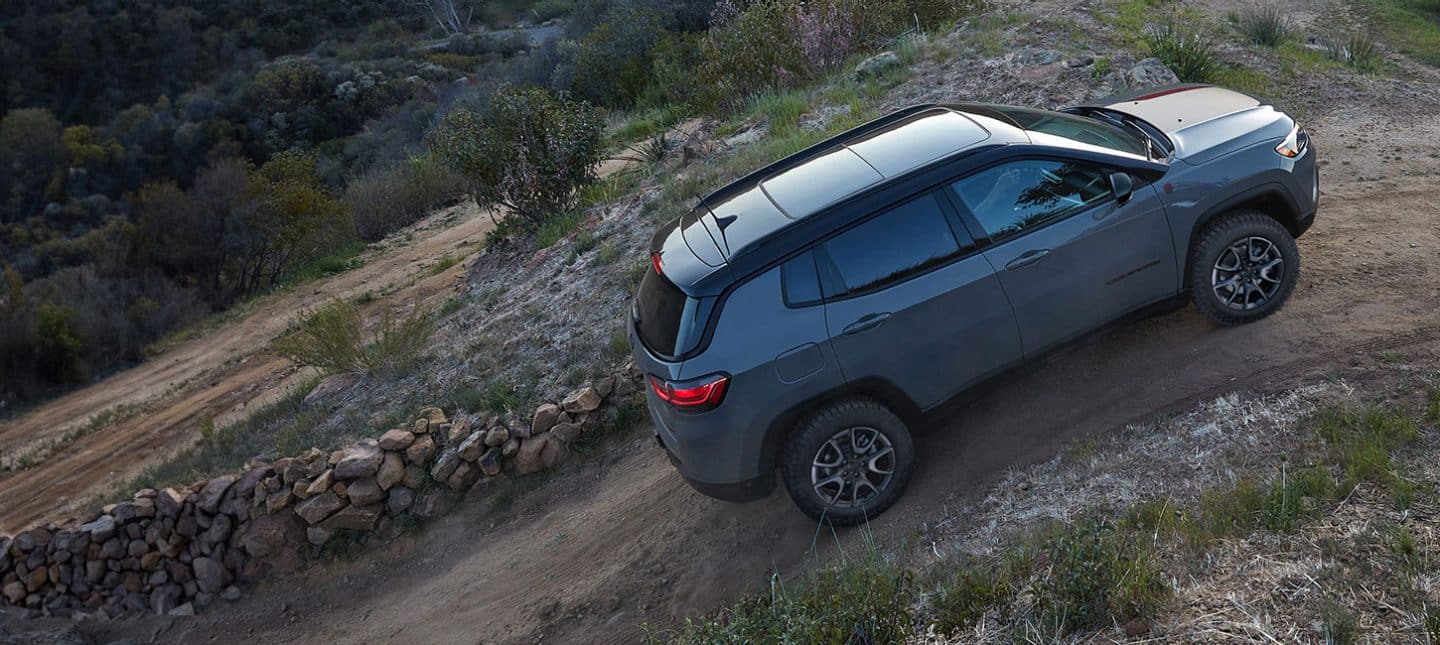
329, 387
213, 492
392, 470
399, 499
497, 436
364, 492
472, 446
317, 536
433, 502
1150, 72
210, 575
238, 501
353, 518
434, 415
544, 418
361, 460
396, 439
278, 501
414, 476
445, 464
489, 462
464, 476
14, 592
319, 507
275, 539
321, 484
421, 451
567, 432
877, 65
539, 453
169, 502
582, 400
101, 529
605, 385
511, 448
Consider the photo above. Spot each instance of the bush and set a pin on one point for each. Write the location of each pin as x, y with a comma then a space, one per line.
388, 199
1190, 52
529, 154
59, 349
1097, 575
748, 52
330, 338
1267, 25
1358, 49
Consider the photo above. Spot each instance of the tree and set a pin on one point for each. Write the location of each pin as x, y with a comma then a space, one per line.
529, 154
446, 14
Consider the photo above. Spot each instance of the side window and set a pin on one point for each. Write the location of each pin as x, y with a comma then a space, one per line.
901, 242
1012, 198
801, 285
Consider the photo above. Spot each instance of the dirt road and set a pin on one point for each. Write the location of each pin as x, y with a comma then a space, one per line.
620, 541
218, 373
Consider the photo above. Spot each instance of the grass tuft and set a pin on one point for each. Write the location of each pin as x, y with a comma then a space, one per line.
1268, 25
1186, 50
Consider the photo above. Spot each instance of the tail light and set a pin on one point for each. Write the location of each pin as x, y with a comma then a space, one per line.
692, 396
656, 263
1293, 145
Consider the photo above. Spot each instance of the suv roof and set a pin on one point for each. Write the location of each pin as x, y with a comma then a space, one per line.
756, 206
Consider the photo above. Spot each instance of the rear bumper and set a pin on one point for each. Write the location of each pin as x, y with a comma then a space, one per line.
742, 491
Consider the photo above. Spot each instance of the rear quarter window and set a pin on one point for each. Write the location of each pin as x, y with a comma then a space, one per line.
659, 314
904, 241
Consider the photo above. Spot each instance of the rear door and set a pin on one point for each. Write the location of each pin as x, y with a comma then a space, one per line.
1070, 255
908, 299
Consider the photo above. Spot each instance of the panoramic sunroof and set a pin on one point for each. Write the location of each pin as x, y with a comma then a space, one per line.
919, 140
817, 183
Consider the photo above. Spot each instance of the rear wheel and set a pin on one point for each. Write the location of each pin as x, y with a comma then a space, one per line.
848, 462
1245, 266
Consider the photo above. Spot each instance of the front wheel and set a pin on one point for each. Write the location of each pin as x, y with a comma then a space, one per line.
1245, 266
848, 462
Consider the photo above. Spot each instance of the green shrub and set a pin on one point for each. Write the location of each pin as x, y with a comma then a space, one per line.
1358, 49
388, 199
529, 154
330, 338
1267, 25
59, 346
1188, 51
1097, 576
747, 52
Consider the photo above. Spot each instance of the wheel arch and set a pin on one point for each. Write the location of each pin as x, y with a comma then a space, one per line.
879, 389
1269, 199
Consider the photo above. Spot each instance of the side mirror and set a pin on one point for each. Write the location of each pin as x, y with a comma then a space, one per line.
1122, 185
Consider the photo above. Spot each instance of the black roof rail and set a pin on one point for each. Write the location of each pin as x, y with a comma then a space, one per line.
814, 150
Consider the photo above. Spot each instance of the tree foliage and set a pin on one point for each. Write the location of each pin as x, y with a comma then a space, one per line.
529, 154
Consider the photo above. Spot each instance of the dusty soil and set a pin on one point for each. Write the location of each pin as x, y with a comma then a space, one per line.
618, 540
621, 541
219, 373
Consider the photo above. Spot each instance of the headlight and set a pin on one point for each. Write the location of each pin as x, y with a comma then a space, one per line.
1293, 145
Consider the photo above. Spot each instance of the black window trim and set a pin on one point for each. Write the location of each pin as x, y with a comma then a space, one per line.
832, 289
785, 282
977, 230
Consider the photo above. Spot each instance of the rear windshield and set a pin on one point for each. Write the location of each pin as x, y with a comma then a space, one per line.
660, 313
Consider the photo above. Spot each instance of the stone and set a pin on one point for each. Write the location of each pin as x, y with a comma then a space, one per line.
497, 436
37, 579
301, 489
274, 539
1080, 61
538, 453
392, 470
210, 575
294, 471
421, 451
317, 536
545, 417
353, 518
489, 462
396, 439
464, 476
582, 400
434, 415
605, 385
511, 448
445, 464
433, 502
125, 512
14, 592
321, 484
1150, 72
877, 65
213, 492
364, 492
471, 448
169, 502
421, 426
567, 432
231, 593
414, 476
279, 501
101, 529
187, 609
624, 387
319, 507
361, 460
457, 432
399, 499
165, 598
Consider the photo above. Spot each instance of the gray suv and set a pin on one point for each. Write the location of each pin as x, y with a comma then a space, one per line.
804, 317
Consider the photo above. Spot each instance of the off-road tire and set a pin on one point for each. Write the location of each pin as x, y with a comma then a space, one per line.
804, 445
1219, 236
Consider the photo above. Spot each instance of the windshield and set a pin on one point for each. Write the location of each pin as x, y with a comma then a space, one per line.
1089, 131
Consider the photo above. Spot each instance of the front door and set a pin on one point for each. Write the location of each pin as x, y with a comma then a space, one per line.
1070, 255
911, 302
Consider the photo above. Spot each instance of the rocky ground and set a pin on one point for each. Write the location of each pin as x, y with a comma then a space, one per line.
617, 541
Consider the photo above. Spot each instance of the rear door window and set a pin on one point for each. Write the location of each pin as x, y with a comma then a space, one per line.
1012, 198
902, 242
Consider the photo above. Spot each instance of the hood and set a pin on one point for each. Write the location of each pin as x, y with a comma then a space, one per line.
1202, 121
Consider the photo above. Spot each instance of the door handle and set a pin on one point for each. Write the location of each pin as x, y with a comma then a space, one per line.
868, 321
1027, 258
